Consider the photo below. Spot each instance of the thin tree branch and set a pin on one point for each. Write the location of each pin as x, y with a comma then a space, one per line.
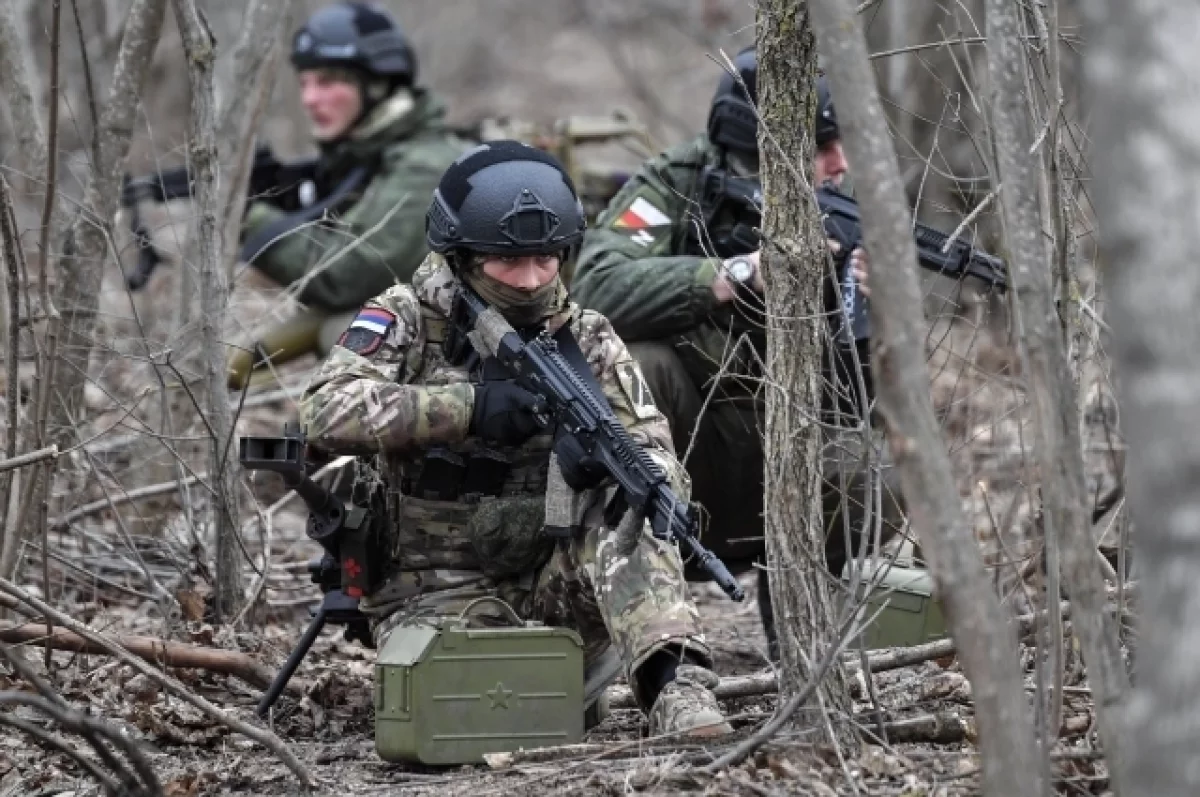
264, 737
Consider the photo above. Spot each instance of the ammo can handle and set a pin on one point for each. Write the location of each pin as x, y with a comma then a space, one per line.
508, 611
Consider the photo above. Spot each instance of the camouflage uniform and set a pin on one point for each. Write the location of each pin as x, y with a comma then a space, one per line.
641, 267
403, 401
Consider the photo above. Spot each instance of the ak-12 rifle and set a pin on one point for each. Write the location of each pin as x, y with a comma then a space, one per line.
555, 370
289, 186
351, 537
843, 223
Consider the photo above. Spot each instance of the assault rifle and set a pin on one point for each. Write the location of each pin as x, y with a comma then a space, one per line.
288, 186
843, 224
351, 537
556, 372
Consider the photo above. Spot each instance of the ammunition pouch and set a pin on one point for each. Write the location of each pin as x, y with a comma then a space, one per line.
508, 535
362, 542
451, 476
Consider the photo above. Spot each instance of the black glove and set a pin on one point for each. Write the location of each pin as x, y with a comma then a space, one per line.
580, 470
504, 413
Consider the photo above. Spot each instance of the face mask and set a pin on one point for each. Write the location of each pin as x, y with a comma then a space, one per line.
519, 308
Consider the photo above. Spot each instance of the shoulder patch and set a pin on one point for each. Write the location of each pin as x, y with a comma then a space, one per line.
367, 331
634, 386
643, 220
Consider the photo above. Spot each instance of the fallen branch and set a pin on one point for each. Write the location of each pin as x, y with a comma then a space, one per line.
264, 737
49, 452
763, 683
90, 732
609, 752
138, 777
129, 496
154, 650
52, 743
944, 727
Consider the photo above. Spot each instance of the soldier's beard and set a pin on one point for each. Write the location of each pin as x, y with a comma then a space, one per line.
520, 308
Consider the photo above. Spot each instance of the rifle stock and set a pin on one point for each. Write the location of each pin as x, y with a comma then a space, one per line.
288, 186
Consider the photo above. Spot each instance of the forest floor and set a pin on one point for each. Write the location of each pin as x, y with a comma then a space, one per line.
107, 566
330, 729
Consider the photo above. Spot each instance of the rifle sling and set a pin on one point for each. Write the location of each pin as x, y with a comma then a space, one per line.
257, 243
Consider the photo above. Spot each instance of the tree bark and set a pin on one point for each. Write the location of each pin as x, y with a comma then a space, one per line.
83, 252
793, 272
1056, 420
199, 47
255, 58
986, 643
1141, 68
17, 88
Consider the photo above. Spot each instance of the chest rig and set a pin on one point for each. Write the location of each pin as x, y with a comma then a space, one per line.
436, 493
473, 470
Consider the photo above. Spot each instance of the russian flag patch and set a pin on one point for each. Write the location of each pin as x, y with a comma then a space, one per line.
366, 332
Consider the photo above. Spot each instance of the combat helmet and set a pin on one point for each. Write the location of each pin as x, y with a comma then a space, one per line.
359, 36
732, 120
506, 198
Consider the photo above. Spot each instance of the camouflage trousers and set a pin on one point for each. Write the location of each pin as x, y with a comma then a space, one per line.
637, 602
726, 468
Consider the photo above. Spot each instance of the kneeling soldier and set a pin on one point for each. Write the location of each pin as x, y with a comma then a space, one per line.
466, 462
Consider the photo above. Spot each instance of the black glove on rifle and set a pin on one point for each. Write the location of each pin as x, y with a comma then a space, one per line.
580, 470
504, 412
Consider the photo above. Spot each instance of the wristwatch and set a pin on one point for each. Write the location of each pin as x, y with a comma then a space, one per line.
740, 271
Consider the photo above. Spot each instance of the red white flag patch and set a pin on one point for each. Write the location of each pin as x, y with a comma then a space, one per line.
642, 214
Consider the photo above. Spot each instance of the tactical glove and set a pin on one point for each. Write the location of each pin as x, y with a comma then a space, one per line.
503, 413
580, 470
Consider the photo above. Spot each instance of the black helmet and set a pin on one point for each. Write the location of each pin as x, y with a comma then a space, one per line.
508, 198
358, 36
827, 126
732, 122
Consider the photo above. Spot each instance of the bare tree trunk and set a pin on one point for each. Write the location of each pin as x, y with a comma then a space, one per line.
18, 90
1060, 449
986, 643
793, 270
83, 251
255, 58
199, 46
1142, 64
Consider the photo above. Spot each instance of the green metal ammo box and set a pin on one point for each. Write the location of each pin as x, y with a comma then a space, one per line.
448, 695
911, 613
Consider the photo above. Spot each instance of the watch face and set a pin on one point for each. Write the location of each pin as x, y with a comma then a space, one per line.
740, 269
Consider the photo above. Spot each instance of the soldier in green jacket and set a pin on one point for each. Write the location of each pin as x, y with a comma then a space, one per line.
469, 470
679, 280
384, 144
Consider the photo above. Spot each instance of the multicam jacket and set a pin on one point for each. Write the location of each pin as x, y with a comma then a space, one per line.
376, 238
396, 396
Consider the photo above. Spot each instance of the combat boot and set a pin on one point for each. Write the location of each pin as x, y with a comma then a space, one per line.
687, 705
